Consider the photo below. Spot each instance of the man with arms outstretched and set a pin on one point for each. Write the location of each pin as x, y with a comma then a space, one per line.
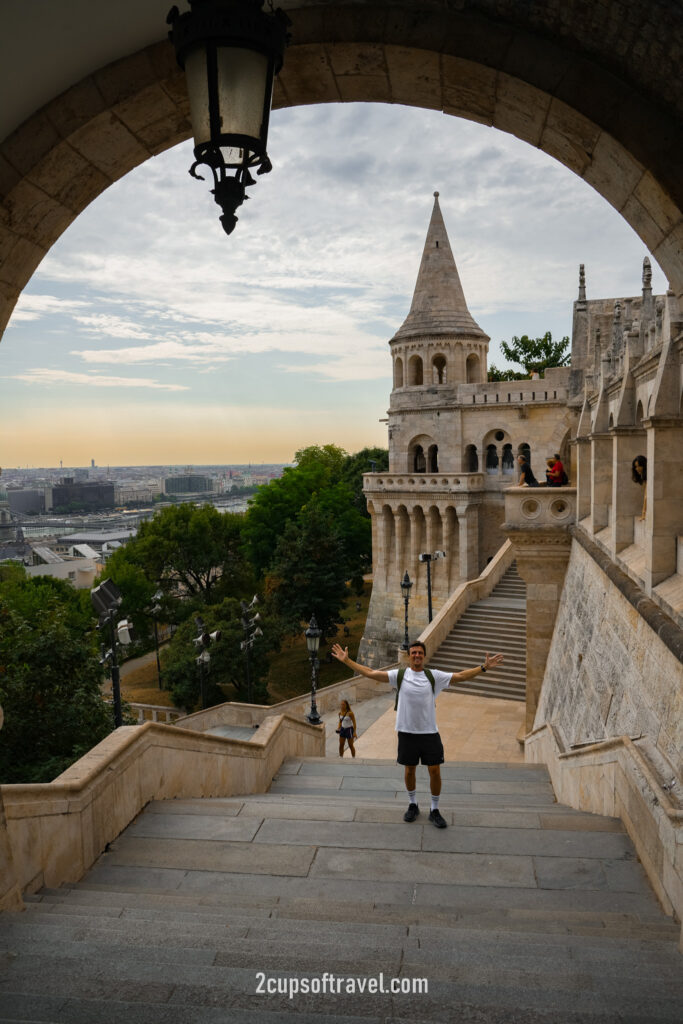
418, 737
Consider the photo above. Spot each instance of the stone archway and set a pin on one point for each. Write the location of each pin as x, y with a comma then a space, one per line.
599, 93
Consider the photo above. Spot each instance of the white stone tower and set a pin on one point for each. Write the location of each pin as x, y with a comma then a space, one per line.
453, 438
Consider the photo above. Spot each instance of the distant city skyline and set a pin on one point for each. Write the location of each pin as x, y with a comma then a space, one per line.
147, 337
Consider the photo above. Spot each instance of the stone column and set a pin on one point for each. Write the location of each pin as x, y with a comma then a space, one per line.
627, 497
542, 556
402, 528
451, 546
601, 480
10, 892
468, 522
583, 478
664, 520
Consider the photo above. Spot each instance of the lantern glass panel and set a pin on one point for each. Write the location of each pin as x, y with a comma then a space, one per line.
242, 81
198, 94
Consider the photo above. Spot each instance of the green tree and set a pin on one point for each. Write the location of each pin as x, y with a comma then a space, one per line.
309, 571
195, 553
50, 678
537, 354
276, 505
494, 374
355, 466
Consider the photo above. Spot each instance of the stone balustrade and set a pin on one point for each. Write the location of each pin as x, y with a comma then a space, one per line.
156, 713
538, 508
430, 483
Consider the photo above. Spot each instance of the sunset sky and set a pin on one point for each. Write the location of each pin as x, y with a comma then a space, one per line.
149, 336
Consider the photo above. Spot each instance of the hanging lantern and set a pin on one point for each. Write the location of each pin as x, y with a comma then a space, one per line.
230, 51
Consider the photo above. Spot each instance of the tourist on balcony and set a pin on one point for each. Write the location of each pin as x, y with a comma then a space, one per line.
526, 473
639, 475
555, 475
346, 728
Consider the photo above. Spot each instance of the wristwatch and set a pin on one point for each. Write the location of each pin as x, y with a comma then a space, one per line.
482, 668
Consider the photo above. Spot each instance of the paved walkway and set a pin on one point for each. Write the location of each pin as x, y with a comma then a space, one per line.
473, 728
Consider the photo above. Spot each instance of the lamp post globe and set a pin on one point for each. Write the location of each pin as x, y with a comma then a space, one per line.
231, 51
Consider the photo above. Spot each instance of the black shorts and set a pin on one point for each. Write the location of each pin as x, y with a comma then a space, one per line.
419, 748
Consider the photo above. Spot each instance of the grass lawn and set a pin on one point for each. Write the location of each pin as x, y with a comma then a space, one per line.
290, 669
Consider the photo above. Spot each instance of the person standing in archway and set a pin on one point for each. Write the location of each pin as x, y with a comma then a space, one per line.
418, 738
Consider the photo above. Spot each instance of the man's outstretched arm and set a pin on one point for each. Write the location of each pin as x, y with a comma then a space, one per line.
490, 661
342, 654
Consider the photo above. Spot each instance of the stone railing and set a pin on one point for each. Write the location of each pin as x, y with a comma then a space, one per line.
57, 830
156, 713
452, 483
465, 595
354, 689
617, 777
535, 508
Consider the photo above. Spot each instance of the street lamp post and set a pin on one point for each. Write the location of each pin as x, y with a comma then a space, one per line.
154, 612
252, 630
204, 639
313, 634
429, 558
406, 585
106, 600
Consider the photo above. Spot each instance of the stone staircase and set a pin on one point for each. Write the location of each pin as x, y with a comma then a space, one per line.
522, 911
496, 623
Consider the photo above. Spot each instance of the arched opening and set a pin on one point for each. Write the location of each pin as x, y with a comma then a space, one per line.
472, 372
525, 450
415, 371
419, 461
433, 458
639, 413
439, 370
508, 460
471, 459
137, 106
398, 372
491, 458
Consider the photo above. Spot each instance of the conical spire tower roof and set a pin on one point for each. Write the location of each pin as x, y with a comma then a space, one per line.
438, 305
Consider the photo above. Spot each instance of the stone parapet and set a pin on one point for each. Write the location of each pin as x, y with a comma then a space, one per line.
537, 508
57, 830
327, 699
413, 485
628, 779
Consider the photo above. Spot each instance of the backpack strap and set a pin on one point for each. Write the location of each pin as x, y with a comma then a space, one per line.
399, 680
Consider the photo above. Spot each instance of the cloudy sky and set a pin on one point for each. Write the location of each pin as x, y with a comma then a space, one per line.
149, 336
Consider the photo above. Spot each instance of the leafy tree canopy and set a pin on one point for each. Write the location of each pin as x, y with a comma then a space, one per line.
309, 571
494, 374
50, 677
537, 354
324, 476
192, 552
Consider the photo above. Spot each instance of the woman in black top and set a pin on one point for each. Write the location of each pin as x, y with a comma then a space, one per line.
526, 475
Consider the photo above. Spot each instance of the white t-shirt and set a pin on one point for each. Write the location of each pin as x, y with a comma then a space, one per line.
416, 701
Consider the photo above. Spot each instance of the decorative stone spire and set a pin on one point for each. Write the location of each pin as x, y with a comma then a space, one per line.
438, 305
582, 283
647, 274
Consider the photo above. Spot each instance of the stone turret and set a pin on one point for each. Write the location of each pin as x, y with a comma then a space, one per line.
439, 342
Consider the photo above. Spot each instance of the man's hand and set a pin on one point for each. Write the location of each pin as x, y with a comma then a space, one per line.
340, 653
491, 660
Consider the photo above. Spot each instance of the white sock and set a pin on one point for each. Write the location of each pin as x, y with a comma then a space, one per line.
412, 796
435, 803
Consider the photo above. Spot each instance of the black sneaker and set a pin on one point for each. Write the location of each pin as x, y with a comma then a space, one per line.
436, 819
412, 812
